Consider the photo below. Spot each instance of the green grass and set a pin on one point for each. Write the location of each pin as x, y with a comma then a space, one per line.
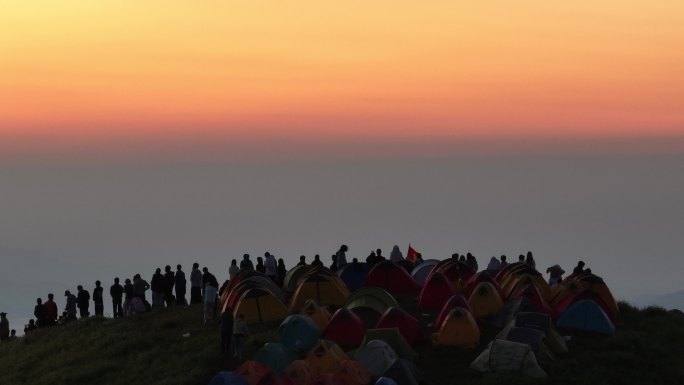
151, 349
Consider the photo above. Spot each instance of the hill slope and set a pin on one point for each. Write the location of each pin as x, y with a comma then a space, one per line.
151, 349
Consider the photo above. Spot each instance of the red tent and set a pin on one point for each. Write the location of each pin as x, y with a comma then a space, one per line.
345, 329
391, 277
435, 292
409, 327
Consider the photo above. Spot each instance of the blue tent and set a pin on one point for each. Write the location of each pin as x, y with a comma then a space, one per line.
353, 276
298, 333
227, 378
276, 356
586, 315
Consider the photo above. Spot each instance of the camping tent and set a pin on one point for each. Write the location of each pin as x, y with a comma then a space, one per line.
298, 333
409, 327
507, 356
345, 329
391, 277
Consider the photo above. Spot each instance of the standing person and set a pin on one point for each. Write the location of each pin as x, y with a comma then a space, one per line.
555, 275
341, 256
270, 266
260, 265
579, 269
233, 269
181, 285
471, 261
70, 308
97, 298
169, 283
226, 327
195, 284
210, 291
503, 263
246, 263
396, 255
282, 271
334, 266
494, 266
4, 327
302, 260
50, 311
129, 293
83, 300
116, 291
157, 285
317, 261
39, 313
140, 287
240, 332
530, 260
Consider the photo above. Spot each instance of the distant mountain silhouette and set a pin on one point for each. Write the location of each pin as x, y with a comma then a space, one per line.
668, 301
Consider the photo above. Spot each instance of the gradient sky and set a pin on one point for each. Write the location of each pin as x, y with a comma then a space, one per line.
82, 73
135, 134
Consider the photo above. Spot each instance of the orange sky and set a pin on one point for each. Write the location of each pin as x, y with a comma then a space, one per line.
93, 71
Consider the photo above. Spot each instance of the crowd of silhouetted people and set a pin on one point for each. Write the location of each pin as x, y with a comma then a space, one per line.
169, 289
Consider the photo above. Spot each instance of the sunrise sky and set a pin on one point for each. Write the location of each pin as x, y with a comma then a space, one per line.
135, 134
116, 74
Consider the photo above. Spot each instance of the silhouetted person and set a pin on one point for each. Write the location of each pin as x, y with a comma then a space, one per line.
396, 255
70, 308
341, 256
555, 275
530, 260
270, 266
181, 285
282, 271
13, 335
30, 327
240, 332
169, 283
195, 284
4, 327
471, 261
494, 266
140, 287
51, 312
333, 265
370, 259
317, 261
521, 258
157, 285
116, 291
462, 258
260, 265
579, 269
302, 260
83, 301
246, 263
210, 292
356, 266
233, 269
226, 327
503, 263
97, 298
129, 294
39, 313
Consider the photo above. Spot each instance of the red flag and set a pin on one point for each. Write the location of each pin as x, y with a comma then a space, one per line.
411, 254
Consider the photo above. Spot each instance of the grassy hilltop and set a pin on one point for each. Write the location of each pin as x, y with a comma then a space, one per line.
150, 349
